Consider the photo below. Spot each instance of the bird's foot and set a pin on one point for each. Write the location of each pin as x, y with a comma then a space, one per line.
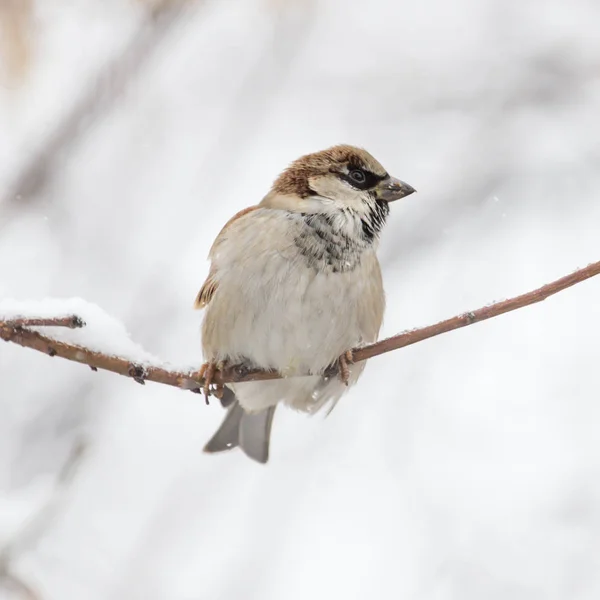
207, 372
344, 362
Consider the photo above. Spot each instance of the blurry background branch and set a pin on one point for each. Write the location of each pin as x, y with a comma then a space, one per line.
110, 83
17, 331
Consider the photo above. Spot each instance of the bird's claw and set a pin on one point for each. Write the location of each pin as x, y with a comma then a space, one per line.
207, 372
345, 360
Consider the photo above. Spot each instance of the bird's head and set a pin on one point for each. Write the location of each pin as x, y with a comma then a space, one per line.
341, 178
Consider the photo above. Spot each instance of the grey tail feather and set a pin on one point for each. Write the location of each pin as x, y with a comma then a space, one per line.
250, 431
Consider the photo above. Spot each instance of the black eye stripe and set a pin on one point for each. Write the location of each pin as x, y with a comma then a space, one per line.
371, 179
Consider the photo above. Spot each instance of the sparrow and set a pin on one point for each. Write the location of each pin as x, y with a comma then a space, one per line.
294, 284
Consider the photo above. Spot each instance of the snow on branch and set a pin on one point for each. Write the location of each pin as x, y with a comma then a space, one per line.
108, 346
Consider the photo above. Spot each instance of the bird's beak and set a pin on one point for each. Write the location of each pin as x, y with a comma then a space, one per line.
391, 189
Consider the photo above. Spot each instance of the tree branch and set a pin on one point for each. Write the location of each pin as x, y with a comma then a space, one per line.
17, 331
72, 322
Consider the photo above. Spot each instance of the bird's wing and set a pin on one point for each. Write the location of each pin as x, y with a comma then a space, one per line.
210, 285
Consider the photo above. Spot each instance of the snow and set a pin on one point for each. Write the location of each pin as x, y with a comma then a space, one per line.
466, 466
17, 508
101, 333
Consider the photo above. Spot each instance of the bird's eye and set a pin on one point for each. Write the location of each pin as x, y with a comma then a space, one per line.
357, 175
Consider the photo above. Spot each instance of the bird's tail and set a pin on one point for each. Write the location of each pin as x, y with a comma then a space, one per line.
250, 431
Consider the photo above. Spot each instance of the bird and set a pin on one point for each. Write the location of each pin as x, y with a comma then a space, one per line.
294, 284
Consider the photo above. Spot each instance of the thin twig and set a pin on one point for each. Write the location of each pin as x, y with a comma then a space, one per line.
72, 322
481, 314
187, 380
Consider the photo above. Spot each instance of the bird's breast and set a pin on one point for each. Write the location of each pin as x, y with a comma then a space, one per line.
292, 300
297, 320
329, 247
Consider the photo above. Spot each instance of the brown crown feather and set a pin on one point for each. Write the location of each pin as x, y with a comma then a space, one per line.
295, 179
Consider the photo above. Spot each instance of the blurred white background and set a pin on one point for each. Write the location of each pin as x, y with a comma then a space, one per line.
465, 467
